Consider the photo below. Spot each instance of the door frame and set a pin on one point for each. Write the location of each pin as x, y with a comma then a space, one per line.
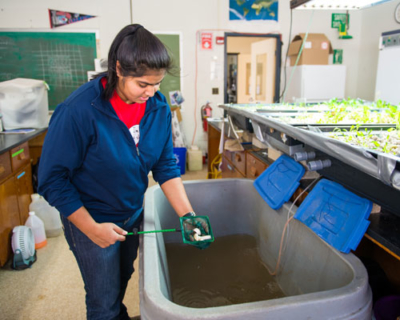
278, 55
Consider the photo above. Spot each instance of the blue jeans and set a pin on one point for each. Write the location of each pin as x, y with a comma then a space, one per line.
105, 272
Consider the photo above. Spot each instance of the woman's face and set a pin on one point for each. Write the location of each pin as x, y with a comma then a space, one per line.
139, 89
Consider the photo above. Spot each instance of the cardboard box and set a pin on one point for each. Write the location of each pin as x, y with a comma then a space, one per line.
316, 49
178, 113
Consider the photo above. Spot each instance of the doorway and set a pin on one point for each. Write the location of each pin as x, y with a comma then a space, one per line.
252, 68
231, 81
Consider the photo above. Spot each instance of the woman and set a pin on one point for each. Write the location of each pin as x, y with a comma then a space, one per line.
101, 144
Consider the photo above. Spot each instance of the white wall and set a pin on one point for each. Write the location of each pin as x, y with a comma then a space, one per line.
320, 22
189, 17
33, 14
375, 20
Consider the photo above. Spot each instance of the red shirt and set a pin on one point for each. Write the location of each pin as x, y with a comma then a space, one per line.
129, 114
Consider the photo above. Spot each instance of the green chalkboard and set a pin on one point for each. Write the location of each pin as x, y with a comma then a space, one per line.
61, 59
171, 82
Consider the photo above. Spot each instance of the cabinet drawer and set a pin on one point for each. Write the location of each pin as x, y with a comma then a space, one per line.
228, 170
228, 155
238, 159
20, 156
5, 165
254, 167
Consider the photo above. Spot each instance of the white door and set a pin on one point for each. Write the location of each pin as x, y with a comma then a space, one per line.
263, 62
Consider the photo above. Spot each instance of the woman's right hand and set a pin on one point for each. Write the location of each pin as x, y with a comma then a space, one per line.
106, 234
103, 234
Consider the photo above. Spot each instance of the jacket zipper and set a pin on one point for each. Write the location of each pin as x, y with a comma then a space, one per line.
136, 146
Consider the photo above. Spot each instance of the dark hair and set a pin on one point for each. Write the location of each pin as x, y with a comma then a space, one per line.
138, 52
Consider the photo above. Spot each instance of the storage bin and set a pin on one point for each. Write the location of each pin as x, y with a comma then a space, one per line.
319, 282
24, 103
195, 159
180, 155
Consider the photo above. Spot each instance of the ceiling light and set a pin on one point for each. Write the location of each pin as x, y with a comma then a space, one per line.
334, 4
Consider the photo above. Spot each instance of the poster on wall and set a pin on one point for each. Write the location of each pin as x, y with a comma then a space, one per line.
206, 41
249, 10
176, 98
62, 18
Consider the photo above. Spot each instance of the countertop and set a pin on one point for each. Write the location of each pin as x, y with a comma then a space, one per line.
9, 141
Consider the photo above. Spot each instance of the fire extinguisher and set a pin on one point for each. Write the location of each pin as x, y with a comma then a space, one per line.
206, 112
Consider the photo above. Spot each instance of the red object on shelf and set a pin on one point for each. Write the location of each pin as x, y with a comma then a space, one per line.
206, 112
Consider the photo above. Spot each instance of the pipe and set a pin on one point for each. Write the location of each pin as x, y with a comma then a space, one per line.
318, 164
299, 156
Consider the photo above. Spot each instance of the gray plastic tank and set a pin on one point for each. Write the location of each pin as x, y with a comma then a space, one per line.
319, 282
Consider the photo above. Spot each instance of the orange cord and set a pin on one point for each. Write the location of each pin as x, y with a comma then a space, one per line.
284, 230
280, 249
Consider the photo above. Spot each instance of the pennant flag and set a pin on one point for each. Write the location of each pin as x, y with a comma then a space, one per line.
62, 18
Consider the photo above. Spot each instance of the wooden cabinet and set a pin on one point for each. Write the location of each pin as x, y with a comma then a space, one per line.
15, 194
5, 166
23, 181
35, 147
238, 159
229, 170
214, 137
254, 166
234, 164
9, 216
19, 156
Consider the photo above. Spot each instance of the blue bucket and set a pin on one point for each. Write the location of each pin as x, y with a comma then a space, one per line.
180, 156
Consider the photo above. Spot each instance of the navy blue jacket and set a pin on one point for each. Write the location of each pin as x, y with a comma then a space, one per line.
90, 159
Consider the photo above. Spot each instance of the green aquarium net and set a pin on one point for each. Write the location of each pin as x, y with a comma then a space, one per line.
197, 231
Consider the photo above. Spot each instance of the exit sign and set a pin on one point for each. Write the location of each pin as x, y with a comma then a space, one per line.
339, 20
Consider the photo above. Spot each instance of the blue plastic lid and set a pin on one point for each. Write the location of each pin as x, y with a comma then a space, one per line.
279, 181
336, 215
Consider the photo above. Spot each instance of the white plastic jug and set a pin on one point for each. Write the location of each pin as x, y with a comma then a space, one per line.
48, 214
37, 226
195, 159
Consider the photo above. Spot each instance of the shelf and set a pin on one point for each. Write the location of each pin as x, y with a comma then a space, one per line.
9, 141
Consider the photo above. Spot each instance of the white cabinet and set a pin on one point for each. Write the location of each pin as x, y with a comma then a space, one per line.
387, 77
315, 83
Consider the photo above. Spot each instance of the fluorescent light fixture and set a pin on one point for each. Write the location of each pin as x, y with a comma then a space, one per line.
334, 4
